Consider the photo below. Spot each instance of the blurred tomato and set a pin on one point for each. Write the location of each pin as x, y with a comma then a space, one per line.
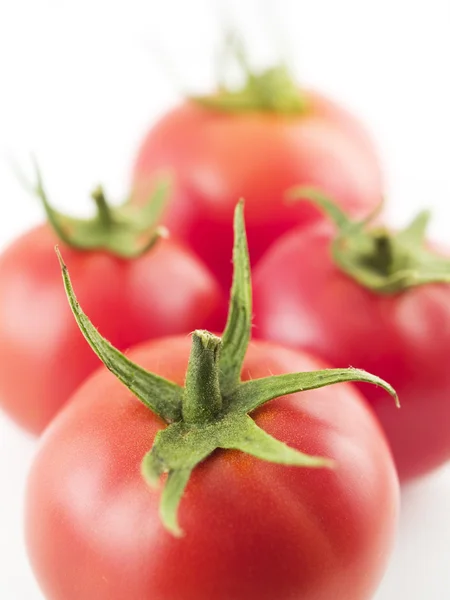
43, 356
304, 300
218, 156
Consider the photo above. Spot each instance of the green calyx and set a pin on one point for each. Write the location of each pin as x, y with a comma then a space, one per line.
272, 90
126, 231
378, 259
213, 409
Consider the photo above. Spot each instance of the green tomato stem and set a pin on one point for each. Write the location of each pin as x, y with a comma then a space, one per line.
202, 400
272, 90
212, 410
126, 231
382, 261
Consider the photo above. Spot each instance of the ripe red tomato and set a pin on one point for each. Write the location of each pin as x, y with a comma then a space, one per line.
253, 529
43, 358
304, 300
219, 156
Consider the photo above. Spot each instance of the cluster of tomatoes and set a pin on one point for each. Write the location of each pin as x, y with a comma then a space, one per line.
200, 467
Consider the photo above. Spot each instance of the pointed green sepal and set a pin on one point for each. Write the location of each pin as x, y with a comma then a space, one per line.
160, 395
171, 498
126, 231
383, 261
253, 440
415, 233
333, 210
238, 329
256, 392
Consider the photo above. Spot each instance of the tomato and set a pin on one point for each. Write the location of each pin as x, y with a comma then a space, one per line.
252, 529
219, 155
165, 291
305, 300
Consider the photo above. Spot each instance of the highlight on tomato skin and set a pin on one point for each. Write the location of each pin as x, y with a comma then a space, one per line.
255, 142
377, 299
161, 288
212, 467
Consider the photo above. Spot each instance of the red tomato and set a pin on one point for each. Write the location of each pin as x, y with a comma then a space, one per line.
43, 358
253, 529
304, 300
218, 157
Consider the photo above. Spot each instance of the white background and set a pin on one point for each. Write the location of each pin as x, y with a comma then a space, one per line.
81, 81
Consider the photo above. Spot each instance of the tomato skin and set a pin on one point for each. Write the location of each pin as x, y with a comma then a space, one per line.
218, 157
43, 355
253, 530
304, 301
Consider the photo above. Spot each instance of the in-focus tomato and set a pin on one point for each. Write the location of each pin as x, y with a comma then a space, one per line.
253, 529
164, 291
372, 309
256, 147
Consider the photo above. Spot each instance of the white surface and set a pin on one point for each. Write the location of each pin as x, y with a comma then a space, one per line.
81, 81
